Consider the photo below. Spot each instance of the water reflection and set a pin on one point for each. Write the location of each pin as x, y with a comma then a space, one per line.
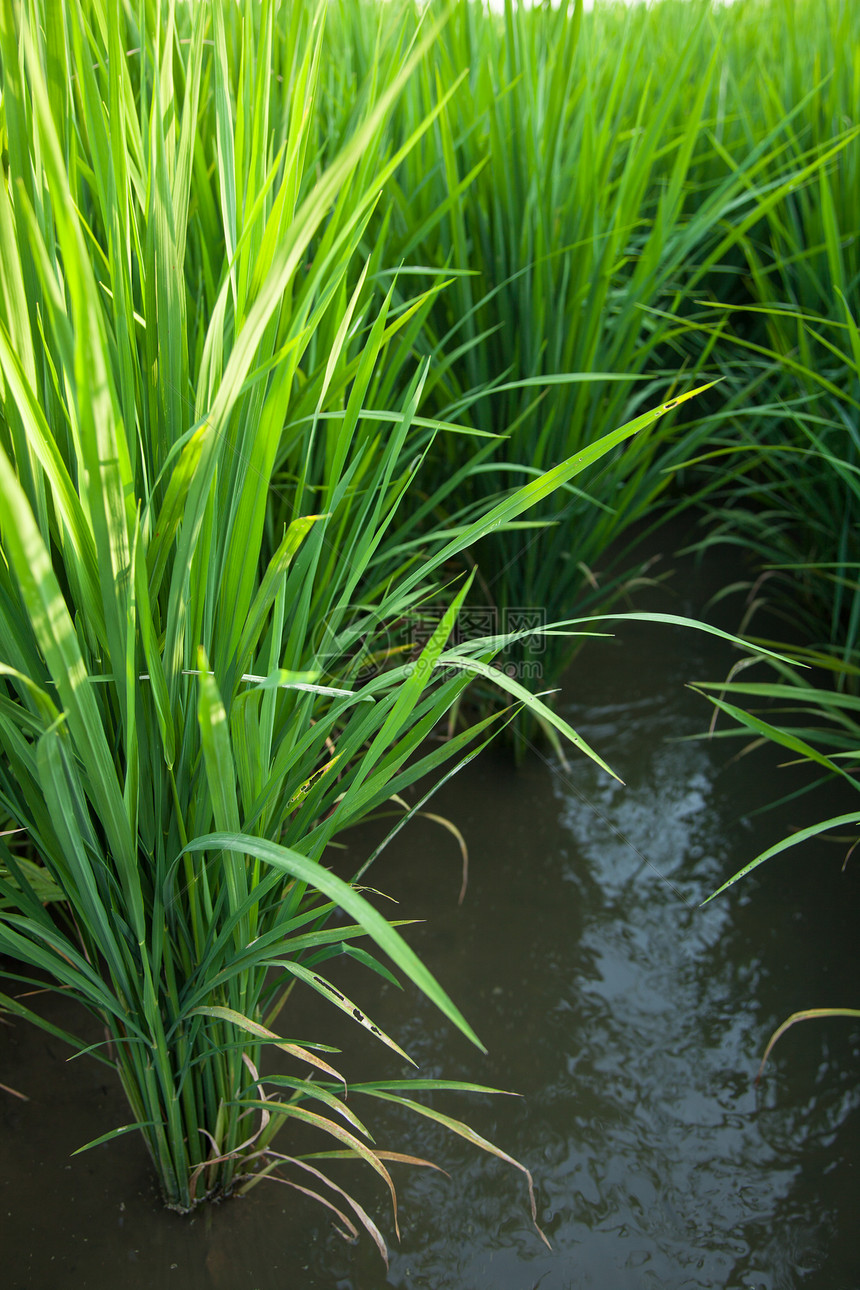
633, 1021
630, 1020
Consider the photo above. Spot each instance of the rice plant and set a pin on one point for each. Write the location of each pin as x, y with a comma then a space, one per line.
789, 349
302, 309
818, 723
207, 431
792, 503
591, 191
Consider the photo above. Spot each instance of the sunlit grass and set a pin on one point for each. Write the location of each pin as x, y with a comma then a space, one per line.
596, 184
302, 310
208, 431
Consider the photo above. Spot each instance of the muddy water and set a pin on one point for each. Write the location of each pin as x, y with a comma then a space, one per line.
630, 1020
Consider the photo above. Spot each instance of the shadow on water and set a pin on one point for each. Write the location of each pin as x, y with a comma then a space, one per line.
630, 1020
